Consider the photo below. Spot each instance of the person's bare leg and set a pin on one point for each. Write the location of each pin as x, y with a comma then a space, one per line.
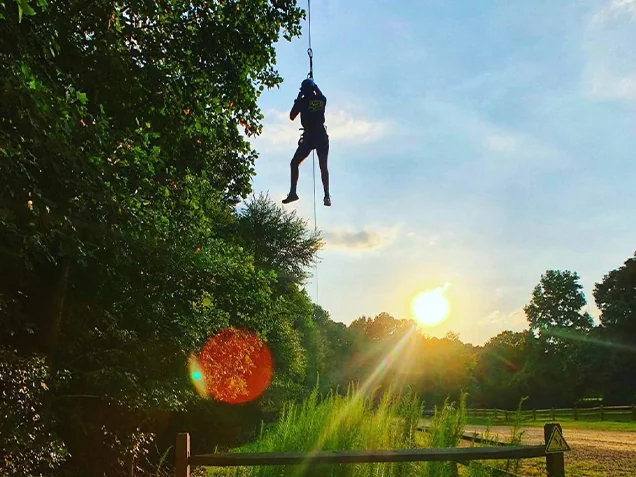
301, 154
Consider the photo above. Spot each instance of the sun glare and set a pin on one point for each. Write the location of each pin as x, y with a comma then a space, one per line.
431, 307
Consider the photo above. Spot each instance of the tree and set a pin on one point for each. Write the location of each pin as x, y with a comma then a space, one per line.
334, 346
615, 296
278, 240
502, 370
28, 445
556, 317
555, 311
121, 161
108, 110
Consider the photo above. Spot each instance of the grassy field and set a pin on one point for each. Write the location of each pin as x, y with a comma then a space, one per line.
356, 421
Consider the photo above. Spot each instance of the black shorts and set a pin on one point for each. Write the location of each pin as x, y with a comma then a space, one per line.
317, 139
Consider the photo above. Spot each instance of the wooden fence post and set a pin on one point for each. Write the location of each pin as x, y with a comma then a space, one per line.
534, 414
602, 413
506, 415
555, 464
182, 455
633, 412
576, 414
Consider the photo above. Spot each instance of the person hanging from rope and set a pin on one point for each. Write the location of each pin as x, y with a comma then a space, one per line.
310, 104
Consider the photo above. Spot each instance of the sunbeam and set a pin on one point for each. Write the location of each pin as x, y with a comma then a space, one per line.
377, 373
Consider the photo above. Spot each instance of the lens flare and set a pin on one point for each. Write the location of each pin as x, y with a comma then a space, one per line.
431, 307
197, 377
234, 366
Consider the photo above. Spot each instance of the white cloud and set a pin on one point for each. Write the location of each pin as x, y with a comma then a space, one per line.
610, 71
507, 152
615, 9
516, 319
279, 133
603, 84
364, 240
501, 142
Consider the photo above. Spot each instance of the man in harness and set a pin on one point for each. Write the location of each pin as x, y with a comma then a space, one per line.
310, 103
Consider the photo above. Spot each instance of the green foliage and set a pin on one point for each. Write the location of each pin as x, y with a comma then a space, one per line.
516, 437
446, 429
278, 240
352, 421
121, 163
23, 8
30, 448
395, 351
615, 341
615, 296
556, 317
478, 469
555, 309
503, 369
332, 345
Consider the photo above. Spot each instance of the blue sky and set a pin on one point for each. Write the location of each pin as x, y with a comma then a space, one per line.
474, 143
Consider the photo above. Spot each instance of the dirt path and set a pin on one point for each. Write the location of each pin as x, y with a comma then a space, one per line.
594, 453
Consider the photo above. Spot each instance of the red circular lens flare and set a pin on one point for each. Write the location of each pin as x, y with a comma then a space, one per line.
237, 366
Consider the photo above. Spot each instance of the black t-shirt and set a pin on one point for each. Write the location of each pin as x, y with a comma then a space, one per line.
312, 111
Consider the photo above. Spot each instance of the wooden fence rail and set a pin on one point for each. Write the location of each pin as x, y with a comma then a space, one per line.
184, 461
612, 413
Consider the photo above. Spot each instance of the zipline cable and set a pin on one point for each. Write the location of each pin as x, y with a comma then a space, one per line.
310, 52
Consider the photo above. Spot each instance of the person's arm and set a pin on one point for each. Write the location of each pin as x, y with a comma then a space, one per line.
296, 108
319, 94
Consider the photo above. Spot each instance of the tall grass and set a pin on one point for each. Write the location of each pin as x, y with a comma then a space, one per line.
356, 422
509, 466
446, 429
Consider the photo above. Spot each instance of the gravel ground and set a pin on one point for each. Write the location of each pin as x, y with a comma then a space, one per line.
594, 453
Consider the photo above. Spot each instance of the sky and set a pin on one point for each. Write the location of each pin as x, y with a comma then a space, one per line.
475, 144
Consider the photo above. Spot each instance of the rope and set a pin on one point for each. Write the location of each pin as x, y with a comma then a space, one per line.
313, 165
309, 20
310, 53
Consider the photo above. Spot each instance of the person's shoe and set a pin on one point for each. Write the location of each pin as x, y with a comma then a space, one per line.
290, 198
327, 201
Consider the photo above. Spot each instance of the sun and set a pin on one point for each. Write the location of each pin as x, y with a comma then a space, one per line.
431, 307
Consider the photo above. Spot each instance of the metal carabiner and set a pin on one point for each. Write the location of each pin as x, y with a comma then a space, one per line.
310, 53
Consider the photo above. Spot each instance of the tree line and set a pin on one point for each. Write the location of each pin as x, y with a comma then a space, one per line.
562, 359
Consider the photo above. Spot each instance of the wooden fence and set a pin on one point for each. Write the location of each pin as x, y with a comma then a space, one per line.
601, 413
474, 438
554, 460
